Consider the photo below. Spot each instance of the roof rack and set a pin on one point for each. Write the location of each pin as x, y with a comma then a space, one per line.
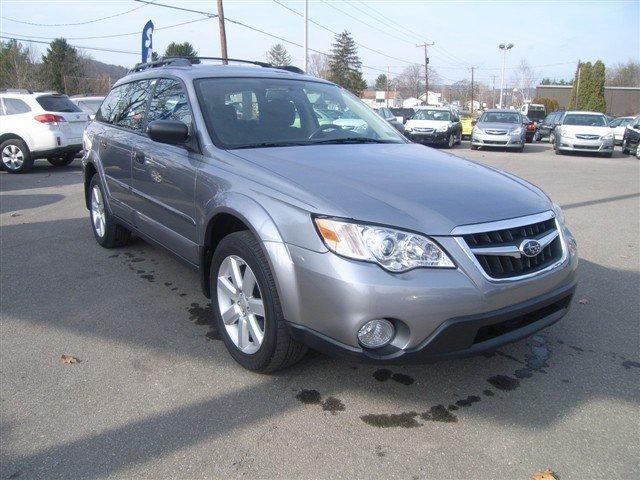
188, 61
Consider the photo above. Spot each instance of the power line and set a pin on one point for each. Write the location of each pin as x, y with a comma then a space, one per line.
111, 36
336, 33
77, 23
27, 40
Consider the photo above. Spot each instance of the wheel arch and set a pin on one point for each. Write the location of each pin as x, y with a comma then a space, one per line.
11, 136
89, 171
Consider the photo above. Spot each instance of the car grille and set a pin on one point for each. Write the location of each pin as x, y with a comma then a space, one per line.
495, 142
586, 147
495, 132
499, 255
424, 130
587, 137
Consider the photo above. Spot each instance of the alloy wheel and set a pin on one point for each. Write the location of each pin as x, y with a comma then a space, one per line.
241, 304
12, 157
97, 211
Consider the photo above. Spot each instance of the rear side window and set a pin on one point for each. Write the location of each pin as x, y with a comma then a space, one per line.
57, 103
13, 106
107, 111
132, 105
169, 102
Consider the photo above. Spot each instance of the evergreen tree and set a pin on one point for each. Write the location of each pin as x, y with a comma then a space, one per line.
60, 60
184, 49
345, 66
596, 101
278, 56
573, 99
382, 82
17, 68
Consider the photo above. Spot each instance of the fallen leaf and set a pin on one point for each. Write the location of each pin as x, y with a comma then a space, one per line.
69, 359
545, 475
583, 301
15, 214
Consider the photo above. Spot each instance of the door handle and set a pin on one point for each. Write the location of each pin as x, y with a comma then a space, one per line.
138, 157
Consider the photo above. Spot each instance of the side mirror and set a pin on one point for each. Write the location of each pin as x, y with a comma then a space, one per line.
473, 123
172, 132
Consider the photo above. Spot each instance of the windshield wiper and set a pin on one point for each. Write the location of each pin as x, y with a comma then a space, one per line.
269, 144
354, 140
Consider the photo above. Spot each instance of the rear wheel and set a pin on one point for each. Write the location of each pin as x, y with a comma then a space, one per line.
247, 306
474, 147
62, 161
15, 156
108, 233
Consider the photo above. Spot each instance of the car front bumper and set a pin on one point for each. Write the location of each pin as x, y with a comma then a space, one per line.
502, 141
579, 145
437, 312
426, 138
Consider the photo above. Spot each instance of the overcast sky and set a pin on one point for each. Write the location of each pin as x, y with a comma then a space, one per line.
551, 35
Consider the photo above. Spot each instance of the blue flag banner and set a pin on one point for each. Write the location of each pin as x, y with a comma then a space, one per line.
147, 42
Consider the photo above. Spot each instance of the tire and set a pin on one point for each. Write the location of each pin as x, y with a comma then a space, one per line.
474, 147
15, 156
278, 349
552, 138
451, 141
459, 140
607, 154
625, 148
108, 233
62, 161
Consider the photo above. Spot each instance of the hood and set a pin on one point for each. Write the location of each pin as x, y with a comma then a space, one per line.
403, 185
585, 129
497, 126
426, 123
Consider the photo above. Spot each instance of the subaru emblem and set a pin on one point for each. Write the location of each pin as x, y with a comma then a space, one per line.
530, 248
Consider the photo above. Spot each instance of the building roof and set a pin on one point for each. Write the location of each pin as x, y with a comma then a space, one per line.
371, 94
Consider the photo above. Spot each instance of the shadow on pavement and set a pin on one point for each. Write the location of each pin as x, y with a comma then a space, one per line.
569, 374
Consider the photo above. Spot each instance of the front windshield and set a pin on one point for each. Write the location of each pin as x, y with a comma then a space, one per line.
265, 112
536, 113
500, 117
440, 115
585, 120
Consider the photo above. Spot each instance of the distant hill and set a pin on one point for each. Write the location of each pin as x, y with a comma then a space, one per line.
96, 69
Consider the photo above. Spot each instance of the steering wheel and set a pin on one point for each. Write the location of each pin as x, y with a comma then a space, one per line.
329, 127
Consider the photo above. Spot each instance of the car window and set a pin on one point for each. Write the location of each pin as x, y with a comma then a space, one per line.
501, 117
585, 120
169, 102
57, 103
132, 105
625, 121
90, 106
440, 115
107, 111
14, 106
262, 112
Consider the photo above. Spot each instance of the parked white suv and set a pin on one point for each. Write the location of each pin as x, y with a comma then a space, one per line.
38, 125
88, 104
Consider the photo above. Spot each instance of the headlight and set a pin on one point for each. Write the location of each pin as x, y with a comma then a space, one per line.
443, 128
608, 136
559, 213
517, 131
393, 250
477, 130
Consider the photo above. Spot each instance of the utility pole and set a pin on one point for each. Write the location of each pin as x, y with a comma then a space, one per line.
306, 35
493, 91
386, 87
578, 87
504, 47
472, 69
426, 70
223, 34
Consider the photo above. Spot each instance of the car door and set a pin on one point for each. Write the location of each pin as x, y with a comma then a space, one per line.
114, 151
457, 126
164, 176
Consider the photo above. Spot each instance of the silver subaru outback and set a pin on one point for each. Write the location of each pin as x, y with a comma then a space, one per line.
314, 223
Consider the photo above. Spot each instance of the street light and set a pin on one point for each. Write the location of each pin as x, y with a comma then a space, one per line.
504, 47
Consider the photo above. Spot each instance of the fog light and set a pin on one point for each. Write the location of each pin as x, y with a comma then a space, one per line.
376, 333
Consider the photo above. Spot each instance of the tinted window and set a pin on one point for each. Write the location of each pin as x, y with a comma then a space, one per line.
13, 106
585, 119
132, 105
107, 110
169, 102
57, 103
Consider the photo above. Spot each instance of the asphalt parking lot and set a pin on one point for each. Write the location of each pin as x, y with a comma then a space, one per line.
156, 395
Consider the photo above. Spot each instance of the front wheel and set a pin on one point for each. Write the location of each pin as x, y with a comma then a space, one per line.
108, 233
625, 147
451, 141
552, 138
247, 306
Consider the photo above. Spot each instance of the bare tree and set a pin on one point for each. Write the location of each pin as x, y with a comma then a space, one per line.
524, 78
318, 65
17, 66
410, 83
624, 74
